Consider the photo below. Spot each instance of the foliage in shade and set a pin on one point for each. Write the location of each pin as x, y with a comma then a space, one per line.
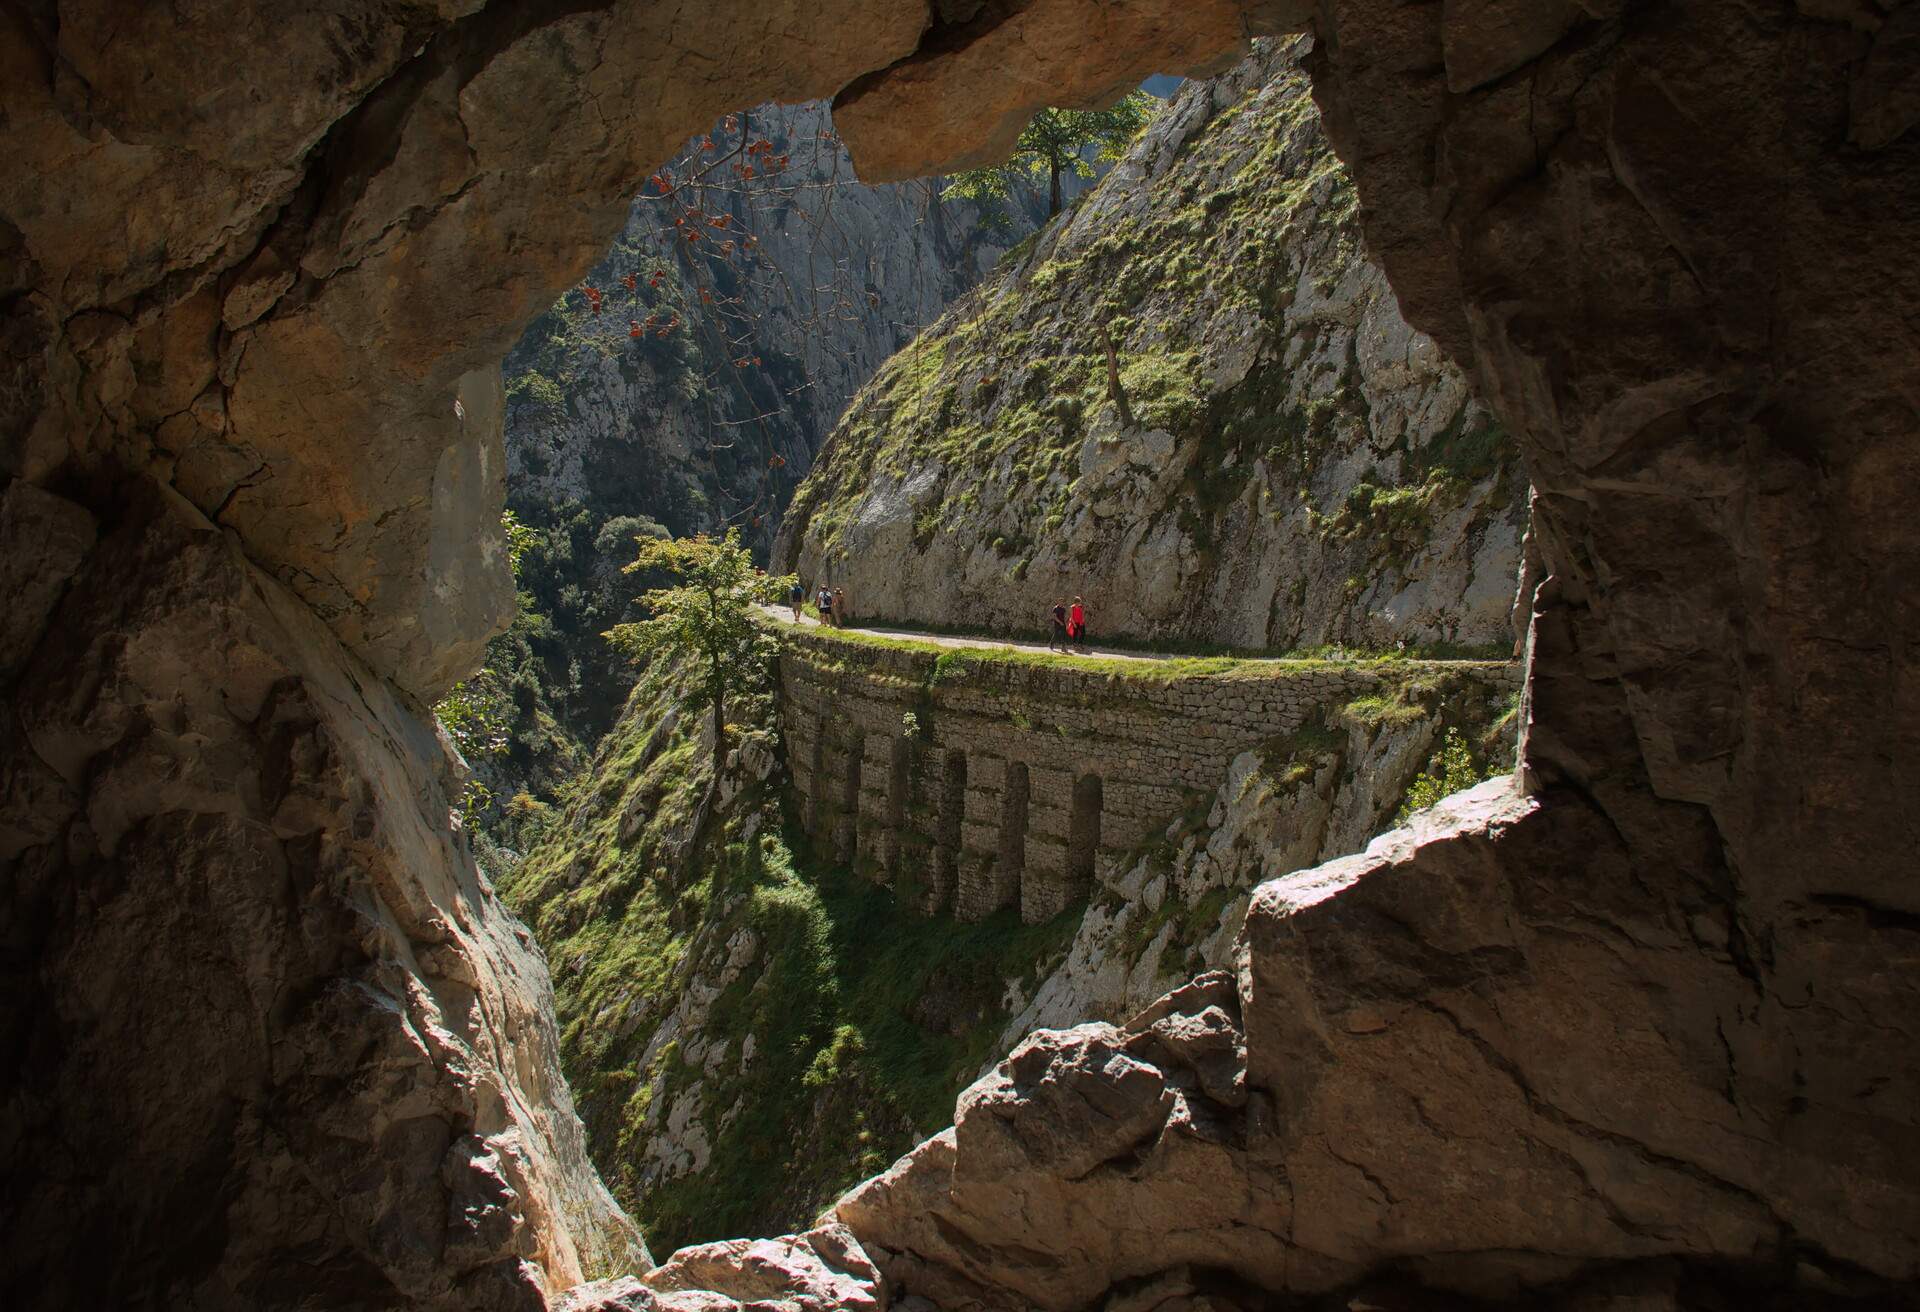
864, 1018
477, 712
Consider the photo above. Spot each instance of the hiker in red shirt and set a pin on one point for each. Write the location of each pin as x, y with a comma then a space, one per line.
1077, 624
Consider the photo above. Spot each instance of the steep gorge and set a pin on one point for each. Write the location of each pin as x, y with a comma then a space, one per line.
1675, 243
757, 1021
684, 386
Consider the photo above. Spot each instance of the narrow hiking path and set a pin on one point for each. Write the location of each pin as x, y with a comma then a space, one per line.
783, 615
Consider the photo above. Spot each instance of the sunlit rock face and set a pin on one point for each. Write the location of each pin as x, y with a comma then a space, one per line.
268, 257
1272, 458
1471, 1057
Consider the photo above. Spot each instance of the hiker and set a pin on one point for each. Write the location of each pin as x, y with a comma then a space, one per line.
1077, 624
840, 608
796, 598
825, 602
1058, 641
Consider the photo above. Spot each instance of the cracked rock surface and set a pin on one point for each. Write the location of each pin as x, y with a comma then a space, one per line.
1443, 1056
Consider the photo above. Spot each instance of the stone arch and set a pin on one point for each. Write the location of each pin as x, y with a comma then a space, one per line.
1083, 835
1718, 486
1010, 861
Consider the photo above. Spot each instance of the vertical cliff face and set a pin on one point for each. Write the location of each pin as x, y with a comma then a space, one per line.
715, 419
1273, 459
685, 384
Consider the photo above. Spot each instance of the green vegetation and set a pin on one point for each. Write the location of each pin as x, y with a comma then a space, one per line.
1054, 144
1386, 710
478, 713
866, 1019
954, 663
1451, 770
709, 618
1469, 752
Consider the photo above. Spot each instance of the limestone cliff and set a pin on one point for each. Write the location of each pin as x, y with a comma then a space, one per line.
776, 320
254, 252
1271, 459
329, 1045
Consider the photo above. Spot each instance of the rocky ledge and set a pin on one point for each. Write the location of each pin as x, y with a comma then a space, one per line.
1440, 1068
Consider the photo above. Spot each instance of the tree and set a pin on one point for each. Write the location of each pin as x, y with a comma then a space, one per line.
708, 617
477, 711
1053, 144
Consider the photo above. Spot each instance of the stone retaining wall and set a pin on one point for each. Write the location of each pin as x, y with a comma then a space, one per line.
1018, 784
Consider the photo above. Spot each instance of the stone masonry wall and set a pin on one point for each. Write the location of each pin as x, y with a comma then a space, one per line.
1020, 784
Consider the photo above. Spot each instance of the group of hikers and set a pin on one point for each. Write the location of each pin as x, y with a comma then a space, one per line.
1069, 621
830, 602
1069, 626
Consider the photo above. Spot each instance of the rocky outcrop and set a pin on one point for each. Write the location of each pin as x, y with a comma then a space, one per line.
823, 1270
1400, 1073
1270, 458
284, 1045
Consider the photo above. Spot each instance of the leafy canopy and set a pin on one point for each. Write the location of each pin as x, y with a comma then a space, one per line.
708, 616
1452, 770
477, 711
1053, 144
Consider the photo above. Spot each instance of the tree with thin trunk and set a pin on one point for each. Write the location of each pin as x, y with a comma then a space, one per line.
707, 618
1114, 388
1055, 143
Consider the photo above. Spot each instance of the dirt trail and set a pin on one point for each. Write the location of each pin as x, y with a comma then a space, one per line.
783, 615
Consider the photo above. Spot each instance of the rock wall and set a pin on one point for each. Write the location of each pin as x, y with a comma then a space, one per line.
283, 1044
1610, 213
973, 785
1285, 463
266, 258
1396, 1092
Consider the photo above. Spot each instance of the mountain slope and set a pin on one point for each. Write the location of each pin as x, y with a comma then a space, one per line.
1283, 463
